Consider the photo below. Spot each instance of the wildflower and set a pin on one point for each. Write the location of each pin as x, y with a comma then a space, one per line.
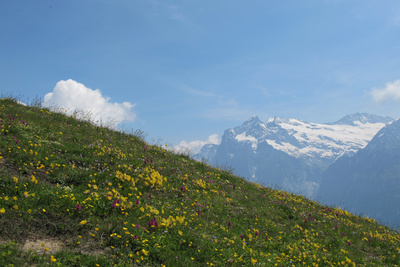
253, 261
78, 207
15, 179
115, 203
52, 258
153, 223
180, 233
33, 179
2, 210
145, 252
83, 222
229, 224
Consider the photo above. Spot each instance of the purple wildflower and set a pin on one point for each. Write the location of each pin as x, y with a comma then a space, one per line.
153, 223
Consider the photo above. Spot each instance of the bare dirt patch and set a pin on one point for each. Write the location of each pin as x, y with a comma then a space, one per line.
43, 245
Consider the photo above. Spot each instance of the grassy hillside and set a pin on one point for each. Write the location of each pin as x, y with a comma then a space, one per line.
73, 194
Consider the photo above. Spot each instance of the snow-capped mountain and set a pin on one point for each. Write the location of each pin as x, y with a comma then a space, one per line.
311, 140
357, 118
291, 153
369, 181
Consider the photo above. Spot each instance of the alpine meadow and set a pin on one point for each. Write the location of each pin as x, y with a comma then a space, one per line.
76, 194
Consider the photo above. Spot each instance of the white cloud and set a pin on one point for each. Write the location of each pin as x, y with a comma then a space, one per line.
72, 97
194, 147
391, 92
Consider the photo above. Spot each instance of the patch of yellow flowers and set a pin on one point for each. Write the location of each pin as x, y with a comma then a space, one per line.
125, 177
152, 177
171, 221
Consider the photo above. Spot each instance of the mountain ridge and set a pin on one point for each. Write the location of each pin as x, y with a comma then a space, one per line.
368, 181
314, 145
363, 118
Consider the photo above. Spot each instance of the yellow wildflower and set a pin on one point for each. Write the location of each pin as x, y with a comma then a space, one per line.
33, 179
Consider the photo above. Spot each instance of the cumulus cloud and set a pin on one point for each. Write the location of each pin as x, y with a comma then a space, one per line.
72, 97
194, 147
391, 92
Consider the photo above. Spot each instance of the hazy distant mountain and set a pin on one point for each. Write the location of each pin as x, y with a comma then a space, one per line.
363, 118
291, 153
369, 181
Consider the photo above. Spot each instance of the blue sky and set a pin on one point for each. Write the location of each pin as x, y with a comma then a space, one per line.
188, 70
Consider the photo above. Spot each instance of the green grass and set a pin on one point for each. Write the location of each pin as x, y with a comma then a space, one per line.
97, 197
